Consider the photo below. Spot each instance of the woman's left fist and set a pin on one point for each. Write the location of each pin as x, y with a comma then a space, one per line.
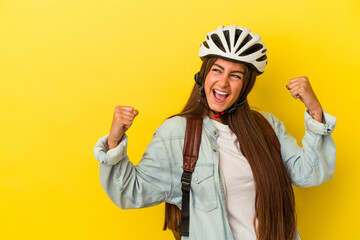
300, 88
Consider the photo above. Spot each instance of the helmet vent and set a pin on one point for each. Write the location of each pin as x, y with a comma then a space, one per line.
217, 42
252, 49
205, 44
237, 35
264, 51
262, 58
227, 37
246, 40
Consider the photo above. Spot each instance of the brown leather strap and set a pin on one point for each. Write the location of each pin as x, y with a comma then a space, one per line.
191, 143
175, 220
190, 156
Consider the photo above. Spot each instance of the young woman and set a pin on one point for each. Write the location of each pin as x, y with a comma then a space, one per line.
241, 185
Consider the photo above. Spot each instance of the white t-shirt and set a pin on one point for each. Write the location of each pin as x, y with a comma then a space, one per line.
239, 181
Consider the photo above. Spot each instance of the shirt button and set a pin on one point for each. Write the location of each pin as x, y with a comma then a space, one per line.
214, 149
215, 133
196, 179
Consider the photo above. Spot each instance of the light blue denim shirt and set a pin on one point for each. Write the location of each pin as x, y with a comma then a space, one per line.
156, 178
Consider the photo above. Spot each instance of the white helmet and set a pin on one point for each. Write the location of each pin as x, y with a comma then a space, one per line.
235, 43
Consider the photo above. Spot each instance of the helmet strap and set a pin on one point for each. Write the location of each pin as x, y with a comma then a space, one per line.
229, 110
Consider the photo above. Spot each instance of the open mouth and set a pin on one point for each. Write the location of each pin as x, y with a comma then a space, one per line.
220, 96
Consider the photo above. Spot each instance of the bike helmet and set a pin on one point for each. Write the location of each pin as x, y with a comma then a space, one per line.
235, 43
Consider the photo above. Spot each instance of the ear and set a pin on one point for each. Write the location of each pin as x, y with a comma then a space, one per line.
199, 82
198, 79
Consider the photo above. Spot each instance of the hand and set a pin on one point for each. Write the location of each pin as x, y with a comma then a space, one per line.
300, 88
122, 121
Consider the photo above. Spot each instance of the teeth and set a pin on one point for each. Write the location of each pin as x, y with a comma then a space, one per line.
221, 93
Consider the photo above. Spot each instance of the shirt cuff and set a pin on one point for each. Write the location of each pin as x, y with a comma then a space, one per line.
324, 128
112, 156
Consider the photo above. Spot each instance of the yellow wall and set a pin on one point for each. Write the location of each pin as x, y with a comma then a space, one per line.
65, 65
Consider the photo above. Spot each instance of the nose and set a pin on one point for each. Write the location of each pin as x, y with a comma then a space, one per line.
223, 80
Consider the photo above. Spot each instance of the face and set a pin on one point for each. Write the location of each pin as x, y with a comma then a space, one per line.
223, 84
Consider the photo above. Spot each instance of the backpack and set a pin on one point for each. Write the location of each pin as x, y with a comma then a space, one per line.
178, 220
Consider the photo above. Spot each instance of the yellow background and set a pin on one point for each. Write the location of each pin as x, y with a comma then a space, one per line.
65, 65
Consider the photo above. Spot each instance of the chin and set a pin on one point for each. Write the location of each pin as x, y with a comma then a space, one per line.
217, 108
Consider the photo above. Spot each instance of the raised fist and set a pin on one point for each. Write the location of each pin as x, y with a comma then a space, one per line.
300, 88
122, 121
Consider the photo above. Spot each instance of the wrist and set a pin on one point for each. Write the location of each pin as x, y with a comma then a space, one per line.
112, 143
315, 109
316, 113
313, 105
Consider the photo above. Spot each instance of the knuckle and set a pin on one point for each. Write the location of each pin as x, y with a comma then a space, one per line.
304, 79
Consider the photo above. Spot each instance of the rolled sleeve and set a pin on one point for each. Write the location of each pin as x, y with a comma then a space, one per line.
112, 156
324, 128
135, 186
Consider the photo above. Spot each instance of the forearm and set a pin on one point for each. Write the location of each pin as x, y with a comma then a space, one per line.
130, 186
314, 163
315, 109
117, 180
316, 113
112, 143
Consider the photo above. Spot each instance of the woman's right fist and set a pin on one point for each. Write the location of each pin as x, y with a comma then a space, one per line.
122, 120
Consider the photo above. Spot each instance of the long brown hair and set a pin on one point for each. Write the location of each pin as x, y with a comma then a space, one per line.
275, 217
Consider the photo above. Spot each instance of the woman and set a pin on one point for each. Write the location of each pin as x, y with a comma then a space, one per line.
241, 186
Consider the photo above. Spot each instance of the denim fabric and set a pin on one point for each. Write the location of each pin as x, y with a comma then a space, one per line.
156, 178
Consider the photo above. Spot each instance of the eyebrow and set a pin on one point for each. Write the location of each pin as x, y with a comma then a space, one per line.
231, 72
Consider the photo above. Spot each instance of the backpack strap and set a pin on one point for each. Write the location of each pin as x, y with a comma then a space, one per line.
190, 156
